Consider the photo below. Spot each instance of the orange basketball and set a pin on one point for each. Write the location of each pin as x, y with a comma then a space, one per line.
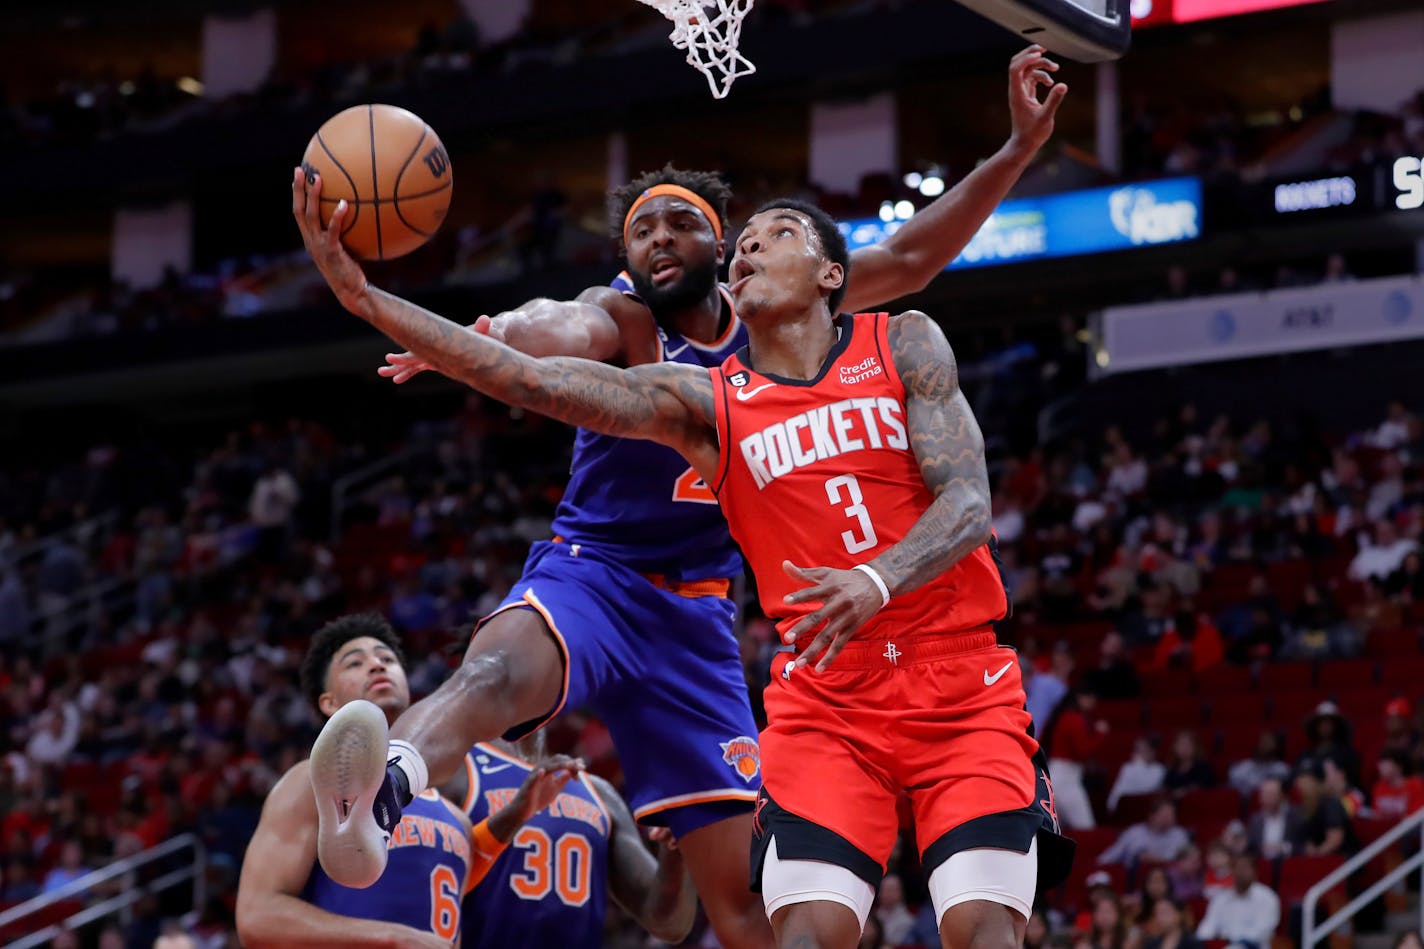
391, 168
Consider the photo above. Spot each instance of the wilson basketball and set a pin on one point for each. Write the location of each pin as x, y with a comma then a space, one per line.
391, 168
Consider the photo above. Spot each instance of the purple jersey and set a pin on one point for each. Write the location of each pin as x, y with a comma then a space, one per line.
550, 887
425, 877
640, 503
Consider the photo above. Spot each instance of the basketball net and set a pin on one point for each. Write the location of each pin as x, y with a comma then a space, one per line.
709, 31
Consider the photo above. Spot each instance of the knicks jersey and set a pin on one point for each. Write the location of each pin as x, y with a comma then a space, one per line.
550, 886
424, 882
821, 472
640, 502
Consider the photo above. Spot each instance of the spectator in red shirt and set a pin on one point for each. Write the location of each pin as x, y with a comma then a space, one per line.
1190, 642
1073, 740
1396, 794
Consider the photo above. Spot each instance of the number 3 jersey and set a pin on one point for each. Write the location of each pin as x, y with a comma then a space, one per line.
821, 472
549, 887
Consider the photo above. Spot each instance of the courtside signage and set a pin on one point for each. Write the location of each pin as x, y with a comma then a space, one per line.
1065, 225
1236, 326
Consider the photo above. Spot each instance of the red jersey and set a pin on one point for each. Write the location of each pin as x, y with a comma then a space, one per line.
1391, 800
821, 472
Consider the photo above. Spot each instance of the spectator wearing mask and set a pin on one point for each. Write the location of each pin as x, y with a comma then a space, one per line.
1246, 914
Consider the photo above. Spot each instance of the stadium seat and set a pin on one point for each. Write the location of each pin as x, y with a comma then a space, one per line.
1132, 809
1224, 681
1299, 874
1167, 715
1404, 672
1231, 710
1209, 804
1347, 674
1284, 676
1290, 709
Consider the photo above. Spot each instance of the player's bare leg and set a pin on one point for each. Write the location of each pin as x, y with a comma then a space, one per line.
718, 857
512, 672
980, 924
820, 924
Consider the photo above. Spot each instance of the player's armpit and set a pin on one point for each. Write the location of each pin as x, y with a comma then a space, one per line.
658, 893
636, 331
950, 450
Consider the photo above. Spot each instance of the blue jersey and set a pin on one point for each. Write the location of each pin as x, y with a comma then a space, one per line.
640, 503
550, 887
425, 876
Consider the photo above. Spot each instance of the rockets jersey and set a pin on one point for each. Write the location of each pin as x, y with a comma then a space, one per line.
640, 502
425, 877
821, 472
550, 886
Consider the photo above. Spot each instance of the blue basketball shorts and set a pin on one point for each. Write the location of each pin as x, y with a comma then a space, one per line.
663, 672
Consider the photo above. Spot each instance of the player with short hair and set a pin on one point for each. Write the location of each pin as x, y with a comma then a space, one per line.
284, 898
641, 562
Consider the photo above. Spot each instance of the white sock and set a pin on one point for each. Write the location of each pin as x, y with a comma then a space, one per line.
412, 765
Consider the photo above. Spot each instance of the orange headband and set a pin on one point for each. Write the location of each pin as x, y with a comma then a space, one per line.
675, 191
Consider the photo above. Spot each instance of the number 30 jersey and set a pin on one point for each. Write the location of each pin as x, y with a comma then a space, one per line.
821, 472
550, 887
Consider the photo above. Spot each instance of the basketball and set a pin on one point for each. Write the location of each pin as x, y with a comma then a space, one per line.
391, 168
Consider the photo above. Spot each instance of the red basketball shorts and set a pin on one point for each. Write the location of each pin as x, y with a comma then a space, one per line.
940, 719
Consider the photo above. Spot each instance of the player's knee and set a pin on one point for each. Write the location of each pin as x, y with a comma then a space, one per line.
980, 924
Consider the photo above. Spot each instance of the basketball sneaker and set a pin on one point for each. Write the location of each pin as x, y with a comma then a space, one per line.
357, 799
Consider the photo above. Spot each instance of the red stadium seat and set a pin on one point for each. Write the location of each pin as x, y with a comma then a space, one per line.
1234, 711
1290, 709
1122, 715
1348, 674
1288, 580
1404, 673
1209, 804
1225, 681
1284, 676
1170, 714
1132, 809
1299, 874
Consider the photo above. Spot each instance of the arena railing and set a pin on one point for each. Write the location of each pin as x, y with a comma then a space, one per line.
133, 890
1313, 932
362, 479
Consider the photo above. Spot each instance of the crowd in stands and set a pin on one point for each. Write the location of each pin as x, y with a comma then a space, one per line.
1155, 578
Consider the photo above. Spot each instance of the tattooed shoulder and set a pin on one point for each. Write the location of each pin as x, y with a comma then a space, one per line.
922, 354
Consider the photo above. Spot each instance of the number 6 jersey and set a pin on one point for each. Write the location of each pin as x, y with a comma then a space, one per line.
821, 472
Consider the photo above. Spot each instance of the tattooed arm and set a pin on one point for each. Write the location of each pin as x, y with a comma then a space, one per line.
662, 402
950, 450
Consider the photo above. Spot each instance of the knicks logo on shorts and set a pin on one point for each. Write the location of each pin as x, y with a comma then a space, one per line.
743, 755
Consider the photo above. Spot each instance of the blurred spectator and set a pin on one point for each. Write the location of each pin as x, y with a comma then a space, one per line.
1247, 914
1187, 874
55, 735
1410, 939
1328, 737
70, 867
1156, 885
20, 882
872, 936
1325, 824
1190, 642
543, 221
1381, 554
1338, 786
1399, 732
1217, 875
1170, 926
1044, 691
1397, 428
274, 499
1114, 677
1158, 838
895, 918
1189, 769
1247, 775
1140, 774
1109, 929
1276, 828
1073, 740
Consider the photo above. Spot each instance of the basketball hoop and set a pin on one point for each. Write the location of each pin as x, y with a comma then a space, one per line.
709, 31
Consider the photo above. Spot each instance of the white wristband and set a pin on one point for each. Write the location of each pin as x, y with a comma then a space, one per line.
869, 571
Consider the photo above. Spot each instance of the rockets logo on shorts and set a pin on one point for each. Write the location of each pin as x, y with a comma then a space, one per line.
743, 755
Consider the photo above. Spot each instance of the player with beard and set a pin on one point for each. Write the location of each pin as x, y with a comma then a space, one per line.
625, 610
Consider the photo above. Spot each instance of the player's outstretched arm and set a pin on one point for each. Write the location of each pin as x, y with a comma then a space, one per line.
663, 402
602, 324
656, 891
910, 258
950, 450
280, 858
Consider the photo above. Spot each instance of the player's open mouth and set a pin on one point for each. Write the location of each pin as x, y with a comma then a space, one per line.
378, 682
665, 271
742, 271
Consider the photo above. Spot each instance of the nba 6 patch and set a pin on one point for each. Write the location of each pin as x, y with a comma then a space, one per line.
743, 755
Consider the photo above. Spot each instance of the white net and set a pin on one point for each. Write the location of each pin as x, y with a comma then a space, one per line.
709, 31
